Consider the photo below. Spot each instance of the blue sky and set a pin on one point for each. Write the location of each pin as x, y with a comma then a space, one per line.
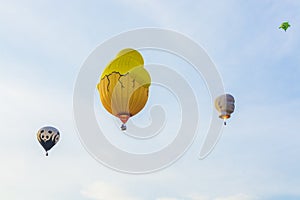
43, 45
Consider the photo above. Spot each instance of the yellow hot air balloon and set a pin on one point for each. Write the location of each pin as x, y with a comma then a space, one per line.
124, 85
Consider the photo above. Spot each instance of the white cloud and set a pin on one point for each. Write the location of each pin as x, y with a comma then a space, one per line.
236, 197
198, 197
203, 197
103, 191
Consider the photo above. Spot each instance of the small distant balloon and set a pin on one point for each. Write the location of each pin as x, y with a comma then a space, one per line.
48, 136
284, 26
225, 106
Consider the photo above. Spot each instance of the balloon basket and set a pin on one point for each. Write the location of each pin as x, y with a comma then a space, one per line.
123, 127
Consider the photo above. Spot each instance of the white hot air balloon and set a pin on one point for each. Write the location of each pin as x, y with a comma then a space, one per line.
225, 106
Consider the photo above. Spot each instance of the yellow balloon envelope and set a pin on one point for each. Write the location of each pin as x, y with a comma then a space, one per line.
124, 85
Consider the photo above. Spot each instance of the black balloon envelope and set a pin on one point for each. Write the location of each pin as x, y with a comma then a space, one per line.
48, 136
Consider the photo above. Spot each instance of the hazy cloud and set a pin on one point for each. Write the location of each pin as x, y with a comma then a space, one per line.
103, 191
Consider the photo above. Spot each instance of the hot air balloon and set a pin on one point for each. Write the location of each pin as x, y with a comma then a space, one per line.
284, 26
225, 106
124, 85
48, 136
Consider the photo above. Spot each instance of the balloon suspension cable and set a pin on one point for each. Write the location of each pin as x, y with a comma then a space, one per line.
46, 153
123, 127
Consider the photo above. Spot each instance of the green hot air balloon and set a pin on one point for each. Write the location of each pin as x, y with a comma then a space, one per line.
284, 26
